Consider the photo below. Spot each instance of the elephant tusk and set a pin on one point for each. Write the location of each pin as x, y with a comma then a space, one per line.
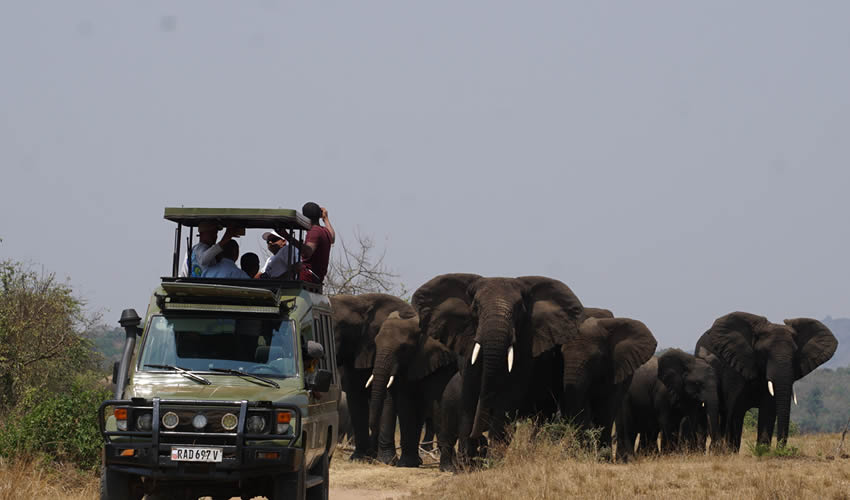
392, 377
770, 387
369, 382
510, 359
795, 396
703, 404
475, 352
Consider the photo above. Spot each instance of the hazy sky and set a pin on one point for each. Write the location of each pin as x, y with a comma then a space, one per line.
672, 161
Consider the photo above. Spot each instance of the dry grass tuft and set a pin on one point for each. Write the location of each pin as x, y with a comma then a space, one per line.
34, 479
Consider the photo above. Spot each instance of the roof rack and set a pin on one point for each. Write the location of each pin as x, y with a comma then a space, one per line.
278, 219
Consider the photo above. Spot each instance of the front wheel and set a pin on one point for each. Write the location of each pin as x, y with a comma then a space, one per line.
116, 485
291, 486
322, 469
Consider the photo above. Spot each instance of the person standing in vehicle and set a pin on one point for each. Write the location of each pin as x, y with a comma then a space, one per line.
277, 264
316, 249
201, 258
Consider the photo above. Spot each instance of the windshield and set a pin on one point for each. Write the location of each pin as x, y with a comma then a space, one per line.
259, 346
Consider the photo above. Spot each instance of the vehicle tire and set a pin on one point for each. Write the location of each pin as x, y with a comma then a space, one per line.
116, 485
290, 486
320, 491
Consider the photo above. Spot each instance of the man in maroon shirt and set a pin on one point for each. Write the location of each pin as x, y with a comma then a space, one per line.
316, 250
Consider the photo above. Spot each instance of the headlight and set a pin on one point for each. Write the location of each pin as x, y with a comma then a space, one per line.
229, 421
284, 419
170, 420
199, 421
144, 422
256, 424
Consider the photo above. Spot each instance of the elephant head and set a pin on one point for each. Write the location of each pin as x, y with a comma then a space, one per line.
770, 354
498, 325
356, 321
607, 350
692, 385
402, 352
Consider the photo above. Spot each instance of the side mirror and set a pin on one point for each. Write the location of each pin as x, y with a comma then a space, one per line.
322, 381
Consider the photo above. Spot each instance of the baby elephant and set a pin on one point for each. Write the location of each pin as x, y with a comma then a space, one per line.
675, 395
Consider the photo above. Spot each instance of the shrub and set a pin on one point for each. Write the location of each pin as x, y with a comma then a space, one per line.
61, 426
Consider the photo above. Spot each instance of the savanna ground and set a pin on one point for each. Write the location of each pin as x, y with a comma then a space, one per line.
541, 468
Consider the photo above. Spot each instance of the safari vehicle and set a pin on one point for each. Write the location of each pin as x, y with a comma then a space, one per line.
220, 398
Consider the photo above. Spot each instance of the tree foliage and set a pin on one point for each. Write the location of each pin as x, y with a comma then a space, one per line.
41, 340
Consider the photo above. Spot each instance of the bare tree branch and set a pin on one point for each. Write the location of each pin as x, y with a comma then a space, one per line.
357, 269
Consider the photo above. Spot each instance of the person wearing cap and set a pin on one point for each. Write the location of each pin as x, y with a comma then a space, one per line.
278, 263
316, 249
201, 257
226, 265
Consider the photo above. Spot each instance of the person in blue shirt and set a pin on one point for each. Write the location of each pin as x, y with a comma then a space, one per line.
226, 265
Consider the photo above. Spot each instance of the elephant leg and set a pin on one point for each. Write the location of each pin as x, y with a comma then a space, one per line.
767, 420
410, 424
428, 439
386, 436
358, 405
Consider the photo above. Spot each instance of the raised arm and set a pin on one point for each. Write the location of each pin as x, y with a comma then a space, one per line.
328, 225
208, 257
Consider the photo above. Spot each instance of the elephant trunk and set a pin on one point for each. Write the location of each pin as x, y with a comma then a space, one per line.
381, 373
782, 398
494, 356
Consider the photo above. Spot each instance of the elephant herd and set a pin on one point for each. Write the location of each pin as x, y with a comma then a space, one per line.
470, 353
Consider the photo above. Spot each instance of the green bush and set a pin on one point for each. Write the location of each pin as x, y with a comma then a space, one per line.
62, 426
751, 422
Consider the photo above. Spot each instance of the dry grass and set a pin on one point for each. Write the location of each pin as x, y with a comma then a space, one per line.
30, 479
532, 467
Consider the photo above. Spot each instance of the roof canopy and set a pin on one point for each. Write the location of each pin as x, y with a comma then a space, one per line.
263, 218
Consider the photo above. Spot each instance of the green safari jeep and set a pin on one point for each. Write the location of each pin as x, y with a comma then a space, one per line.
222, 398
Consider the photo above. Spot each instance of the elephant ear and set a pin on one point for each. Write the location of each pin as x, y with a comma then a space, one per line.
431, 358
554, 312
673, 367
815, 344
731, 338
444, 306
631, 343
363, 318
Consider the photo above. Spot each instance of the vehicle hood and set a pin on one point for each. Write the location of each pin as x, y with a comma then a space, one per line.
223, 388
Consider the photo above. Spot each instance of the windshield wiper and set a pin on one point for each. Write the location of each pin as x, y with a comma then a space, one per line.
182, 371
245, 374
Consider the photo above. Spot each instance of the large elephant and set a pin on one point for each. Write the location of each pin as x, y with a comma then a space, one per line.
757, 363
598, 368
508, 331
415, 369
356, 321
671, 395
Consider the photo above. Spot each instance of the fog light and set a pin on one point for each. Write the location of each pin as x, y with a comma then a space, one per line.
129, 452
229, 421
256, 424
199, 421
170, 420
144, 422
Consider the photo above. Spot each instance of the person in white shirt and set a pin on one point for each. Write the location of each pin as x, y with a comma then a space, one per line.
278, 263
201, 259
204, 253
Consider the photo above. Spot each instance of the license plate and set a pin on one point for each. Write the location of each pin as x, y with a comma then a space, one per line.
195, 454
